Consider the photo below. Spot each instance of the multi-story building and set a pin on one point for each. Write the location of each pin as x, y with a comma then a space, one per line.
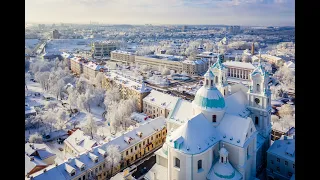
128, 88
272, 59
123, 57
55, 34
83, 66
78, 143
102, 50
156, 61
37, 157
281, 159
195, 67
239, 71
158, 104
133, 146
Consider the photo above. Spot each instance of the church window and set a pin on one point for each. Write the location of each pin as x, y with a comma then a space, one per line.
216, 79
214, 118
177, 163
199, 164
222, 78
258, 87
221, 159
256, 120
207, 82
211, 83
224, 92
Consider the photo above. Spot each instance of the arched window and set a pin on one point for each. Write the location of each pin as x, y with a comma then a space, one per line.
216, 79
199, 164
258, 87
177, 163
211, 83
214, 118
222, 159
224, 92
256, 120
222, 78
207, 82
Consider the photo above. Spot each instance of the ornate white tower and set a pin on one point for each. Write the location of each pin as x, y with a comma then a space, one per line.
259, 98
220, 72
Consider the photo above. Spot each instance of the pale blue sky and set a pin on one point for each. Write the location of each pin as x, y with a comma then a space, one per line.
228, 12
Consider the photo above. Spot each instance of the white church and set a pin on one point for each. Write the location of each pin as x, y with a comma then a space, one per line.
223, 134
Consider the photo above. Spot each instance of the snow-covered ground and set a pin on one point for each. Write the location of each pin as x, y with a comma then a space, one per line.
67, 45
31, 43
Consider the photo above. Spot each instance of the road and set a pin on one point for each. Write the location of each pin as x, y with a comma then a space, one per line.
146, 164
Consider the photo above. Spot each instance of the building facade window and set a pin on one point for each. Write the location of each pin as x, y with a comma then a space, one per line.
258, 87
214, 118
286, 163
199, 164
256, 120
177, 163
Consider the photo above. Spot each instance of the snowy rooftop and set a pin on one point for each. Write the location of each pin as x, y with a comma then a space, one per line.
284, 149
198, 61
161, 99
119, 79
239, 64
87, 63
157, 172
236, 104
30, 164
42, 151
181, 112
80, 142
122, 52
267, 56
187, 138
139, 117
87, 158
236, 130
165, 57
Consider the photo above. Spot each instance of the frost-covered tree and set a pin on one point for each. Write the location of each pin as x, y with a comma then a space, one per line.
84, 102
165, 71
57, 88
285, 76
113, 116
286, 109
246, 58
98, 97
35, 138
72, 98
99, 79
51, 105
144, 68
26, 65
43, 79
27, 78
61, 120
274, 118
49, 118
113, 94
276, 91
81, 85
113, 156
90, 126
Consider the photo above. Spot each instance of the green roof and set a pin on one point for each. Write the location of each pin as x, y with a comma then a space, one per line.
209, 103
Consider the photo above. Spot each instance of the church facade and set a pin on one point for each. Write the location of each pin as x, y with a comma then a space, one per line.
221, 134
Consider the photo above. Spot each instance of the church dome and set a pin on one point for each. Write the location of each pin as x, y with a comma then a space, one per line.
209, 98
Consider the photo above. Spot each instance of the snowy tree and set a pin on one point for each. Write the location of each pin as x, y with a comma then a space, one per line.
81, 85
165, 71
51, 105
43, 79
171, 52
113, 116
35, 138
99, 79
274, 118
98, 97
83, 102
276, 91
144, 68
72, 98
208, 46
27, 78
246, 58
26, 64
61, 120
75, 123
286, 109
90, 126
113, 94
36, 120
285, 76
57, 88
49, 118
172, 72
113, 156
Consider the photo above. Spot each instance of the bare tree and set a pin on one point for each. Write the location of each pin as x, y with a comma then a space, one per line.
113, 156
91, 126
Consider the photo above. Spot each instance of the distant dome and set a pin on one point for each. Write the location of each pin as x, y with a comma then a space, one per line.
209, 98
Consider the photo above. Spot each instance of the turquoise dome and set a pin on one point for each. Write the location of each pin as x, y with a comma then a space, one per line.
209, 98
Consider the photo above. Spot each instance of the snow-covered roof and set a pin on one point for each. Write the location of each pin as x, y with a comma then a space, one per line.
59, 171
80, 142
161, 99
119, 79
122, 52
31, 163
283, 148
90, 64
139, 117
222, 171
234, 129
146, 130
194, 62
239, 64
157, 172
290, 64
187, 138
181, 112
29, 110
40, 150
236, 104
270, 57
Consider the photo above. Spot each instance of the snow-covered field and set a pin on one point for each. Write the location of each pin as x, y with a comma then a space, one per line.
67, 45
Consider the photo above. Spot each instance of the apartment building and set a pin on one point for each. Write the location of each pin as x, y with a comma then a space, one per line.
128, 88
81, 65
124, 57
281, 159
159, 104
161, 60
133, 145
102, 49
273, 59
78, 143
195, 67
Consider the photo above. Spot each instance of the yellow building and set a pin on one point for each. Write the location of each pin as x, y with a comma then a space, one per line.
128, 88
123, 57
133, 145
83, 66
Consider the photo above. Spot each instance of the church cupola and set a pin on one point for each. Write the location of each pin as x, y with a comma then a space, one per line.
209, 79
